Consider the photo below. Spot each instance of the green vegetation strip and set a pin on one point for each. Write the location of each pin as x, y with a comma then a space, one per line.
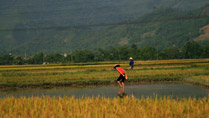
104, 74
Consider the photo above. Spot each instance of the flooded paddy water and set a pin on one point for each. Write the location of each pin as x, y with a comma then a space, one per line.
172, 89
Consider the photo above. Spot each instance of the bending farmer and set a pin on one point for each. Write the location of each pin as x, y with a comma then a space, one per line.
123, 76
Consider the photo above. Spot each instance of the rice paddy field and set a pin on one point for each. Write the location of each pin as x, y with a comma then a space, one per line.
194, 71
190, 70
46, 107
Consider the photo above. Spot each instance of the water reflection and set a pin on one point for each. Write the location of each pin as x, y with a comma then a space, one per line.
175, 90
121, 93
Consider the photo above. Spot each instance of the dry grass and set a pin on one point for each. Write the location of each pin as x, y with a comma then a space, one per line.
46, 107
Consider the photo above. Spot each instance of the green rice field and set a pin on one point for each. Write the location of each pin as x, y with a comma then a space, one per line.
188, 70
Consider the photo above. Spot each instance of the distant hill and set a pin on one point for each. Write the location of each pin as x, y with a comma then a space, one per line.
170, 27
29, 26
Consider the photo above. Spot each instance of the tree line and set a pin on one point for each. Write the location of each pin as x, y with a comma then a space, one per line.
191, 50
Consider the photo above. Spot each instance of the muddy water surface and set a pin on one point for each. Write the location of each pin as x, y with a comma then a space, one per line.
177, 89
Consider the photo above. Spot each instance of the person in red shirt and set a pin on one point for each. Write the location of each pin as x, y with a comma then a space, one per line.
123, 76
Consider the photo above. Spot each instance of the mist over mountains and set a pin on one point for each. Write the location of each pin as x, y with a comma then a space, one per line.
61, 26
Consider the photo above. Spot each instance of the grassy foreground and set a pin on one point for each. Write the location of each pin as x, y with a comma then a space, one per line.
69, 107
192, 70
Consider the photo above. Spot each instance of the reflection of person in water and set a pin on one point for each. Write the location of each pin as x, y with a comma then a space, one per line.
123, 94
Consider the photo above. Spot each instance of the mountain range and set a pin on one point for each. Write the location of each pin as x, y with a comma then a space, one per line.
62, 26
